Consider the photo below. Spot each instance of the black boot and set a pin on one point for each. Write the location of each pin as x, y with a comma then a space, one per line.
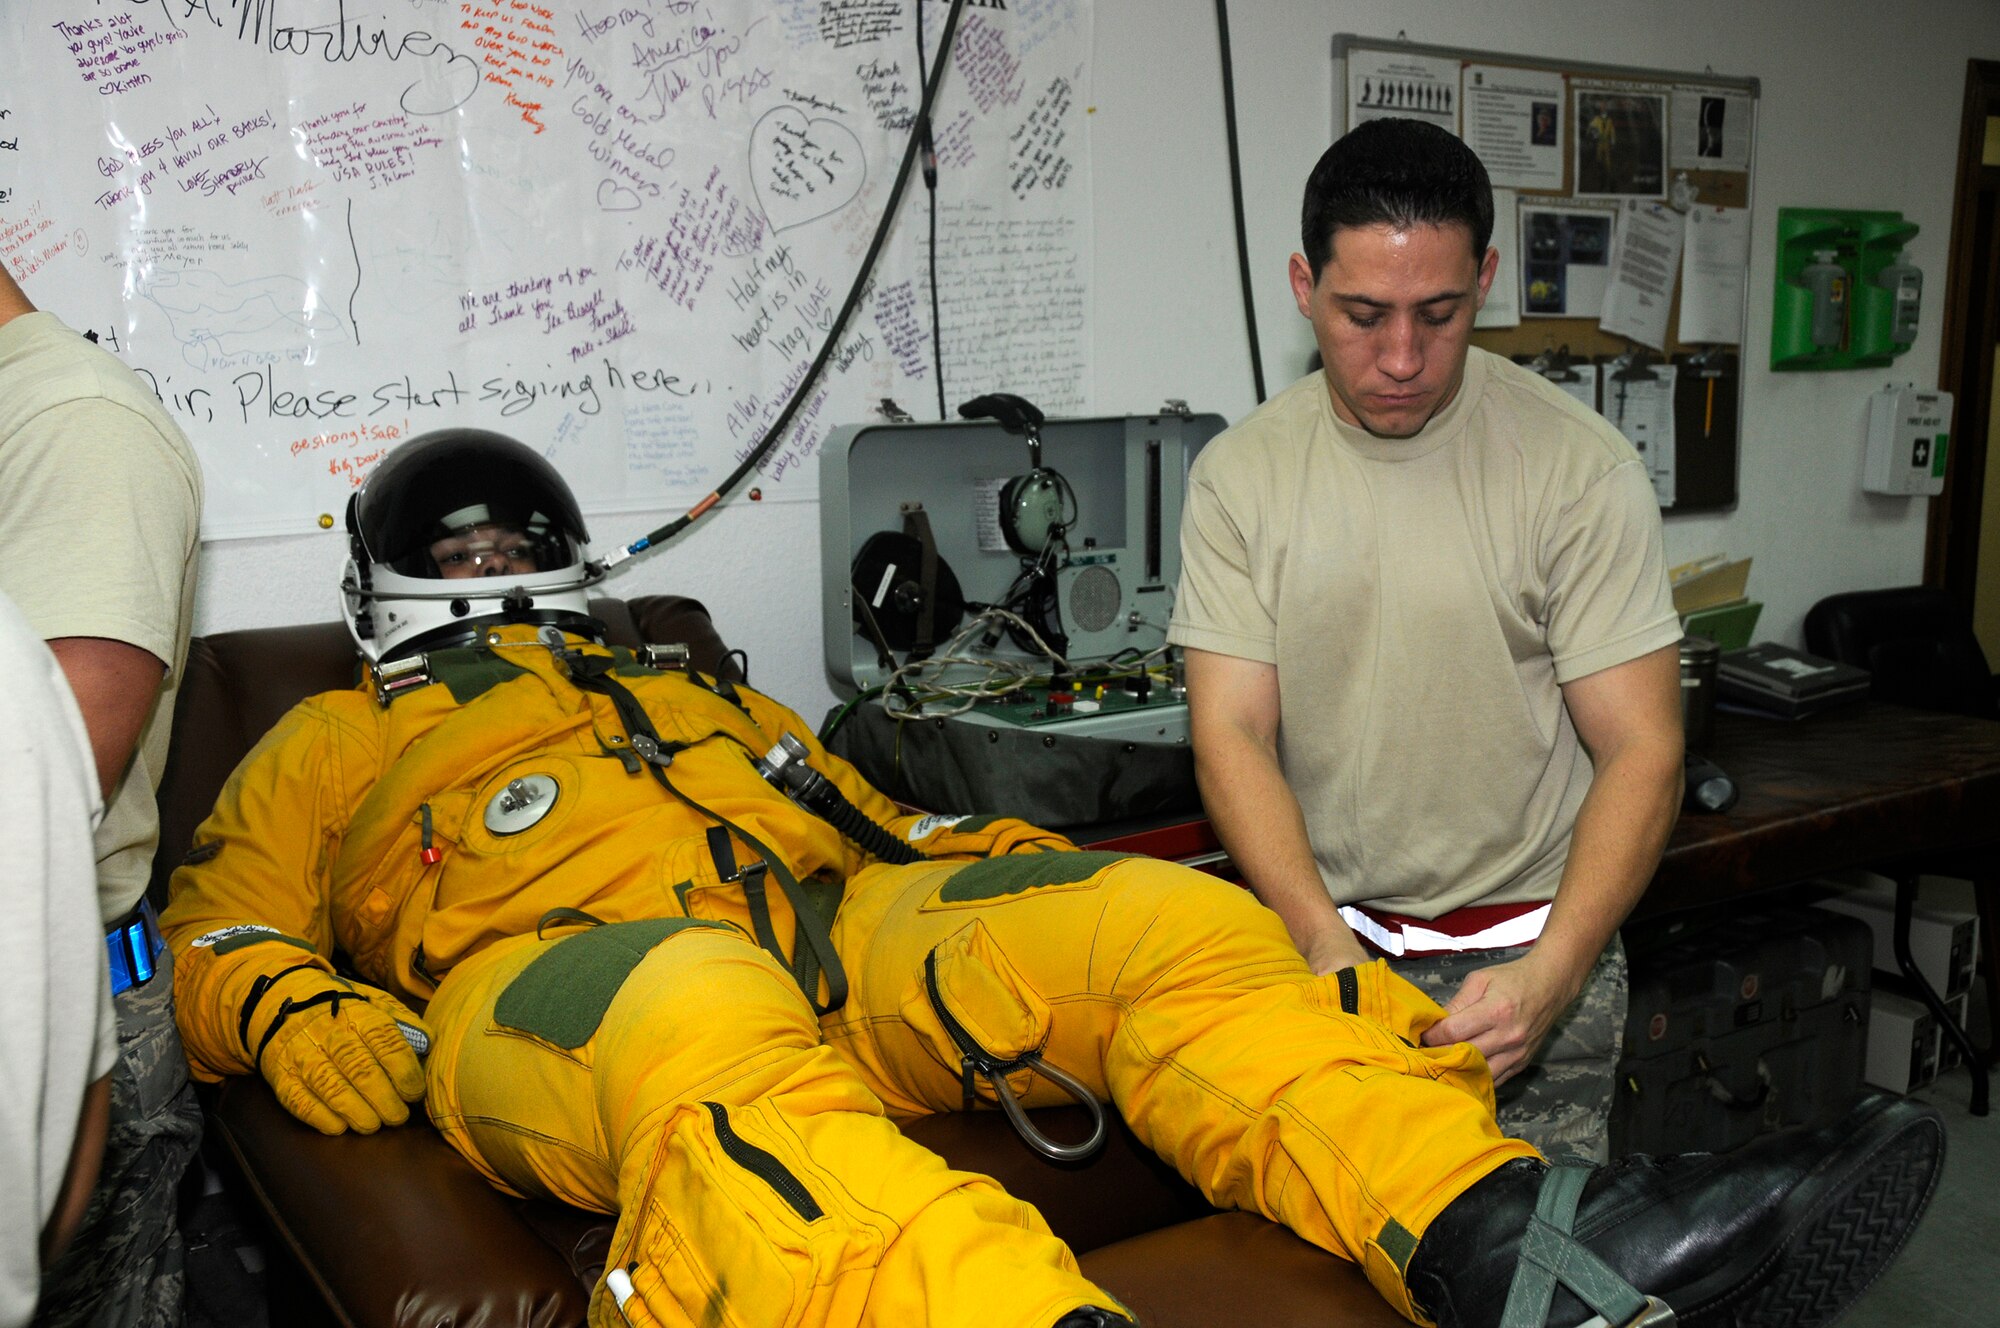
1092, 1317
1783, 1233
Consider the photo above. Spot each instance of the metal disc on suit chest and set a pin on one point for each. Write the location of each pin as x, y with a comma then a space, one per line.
521, 804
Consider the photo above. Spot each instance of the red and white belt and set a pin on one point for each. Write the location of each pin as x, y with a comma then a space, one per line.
1478, 927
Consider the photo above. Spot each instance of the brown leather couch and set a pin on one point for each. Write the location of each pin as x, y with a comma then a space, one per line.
395, 1230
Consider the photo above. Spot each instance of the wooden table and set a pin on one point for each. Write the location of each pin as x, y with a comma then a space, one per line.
1865, 786
1897, 791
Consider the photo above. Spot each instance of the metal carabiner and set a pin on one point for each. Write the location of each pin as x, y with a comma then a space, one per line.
1034, 1138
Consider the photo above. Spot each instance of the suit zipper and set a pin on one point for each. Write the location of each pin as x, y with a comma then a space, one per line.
973, 1055
1350, 990
765, 1166
973, 1059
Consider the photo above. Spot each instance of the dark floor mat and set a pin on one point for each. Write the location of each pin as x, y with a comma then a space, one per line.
225, 1267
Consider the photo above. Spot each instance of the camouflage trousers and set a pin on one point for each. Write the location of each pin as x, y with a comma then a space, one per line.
126, 1267
1561, 1101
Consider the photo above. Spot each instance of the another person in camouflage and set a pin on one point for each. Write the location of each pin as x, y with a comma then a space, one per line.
128, 1265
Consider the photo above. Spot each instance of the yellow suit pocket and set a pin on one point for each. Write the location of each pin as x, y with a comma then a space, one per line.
720, 1230
970, 1003
1393, 1003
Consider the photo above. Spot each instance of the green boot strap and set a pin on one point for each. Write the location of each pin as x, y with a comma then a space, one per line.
1550, 1254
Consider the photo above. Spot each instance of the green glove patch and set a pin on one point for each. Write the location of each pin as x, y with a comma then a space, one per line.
241, 937
562, 996
993, 878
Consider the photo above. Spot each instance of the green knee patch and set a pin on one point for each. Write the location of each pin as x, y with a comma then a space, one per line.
995, 878
561, 997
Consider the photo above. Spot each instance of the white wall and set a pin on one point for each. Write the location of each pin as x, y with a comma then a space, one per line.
1860, 109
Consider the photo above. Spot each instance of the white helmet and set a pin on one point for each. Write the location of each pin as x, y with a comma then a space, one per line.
458, 530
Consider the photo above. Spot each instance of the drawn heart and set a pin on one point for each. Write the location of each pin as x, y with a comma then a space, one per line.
445, 82
803, 169
615, 197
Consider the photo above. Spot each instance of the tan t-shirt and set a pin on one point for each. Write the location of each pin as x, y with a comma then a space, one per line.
1423, 599
100, 509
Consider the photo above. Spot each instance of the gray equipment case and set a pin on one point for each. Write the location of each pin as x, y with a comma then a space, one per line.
1120, 755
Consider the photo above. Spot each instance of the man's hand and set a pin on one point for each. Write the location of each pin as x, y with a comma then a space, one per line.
1506, 1012
1331, 951
1628, 717
336, 1053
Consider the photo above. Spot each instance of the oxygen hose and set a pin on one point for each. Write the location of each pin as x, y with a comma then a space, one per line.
785, 766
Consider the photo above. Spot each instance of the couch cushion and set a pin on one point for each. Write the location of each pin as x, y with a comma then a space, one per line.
1236, 1268
394, 1229
397, 1231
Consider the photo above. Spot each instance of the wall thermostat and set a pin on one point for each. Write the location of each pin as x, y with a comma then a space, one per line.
1909, 433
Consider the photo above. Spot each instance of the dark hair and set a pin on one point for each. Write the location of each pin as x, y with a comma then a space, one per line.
1404, 172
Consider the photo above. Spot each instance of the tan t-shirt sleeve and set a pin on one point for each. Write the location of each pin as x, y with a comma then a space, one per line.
1607, 598
100, 518
1219, 606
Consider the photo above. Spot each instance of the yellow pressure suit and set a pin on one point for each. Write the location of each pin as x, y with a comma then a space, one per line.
665, 1066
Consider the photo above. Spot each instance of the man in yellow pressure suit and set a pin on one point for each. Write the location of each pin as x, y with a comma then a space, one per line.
681, 964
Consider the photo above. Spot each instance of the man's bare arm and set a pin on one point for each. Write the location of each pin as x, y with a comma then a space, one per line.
1628, 717
115, 685
1233, 712
86, 1158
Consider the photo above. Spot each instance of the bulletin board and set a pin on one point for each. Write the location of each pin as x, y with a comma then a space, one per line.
1602, 170
617, 232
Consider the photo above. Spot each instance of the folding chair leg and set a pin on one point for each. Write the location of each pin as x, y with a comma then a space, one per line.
1986, 899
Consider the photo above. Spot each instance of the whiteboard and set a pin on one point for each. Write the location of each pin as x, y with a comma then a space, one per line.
618, 230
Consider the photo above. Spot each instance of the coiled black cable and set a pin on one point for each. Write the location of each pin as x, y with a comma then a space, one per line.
757, 454
823, 798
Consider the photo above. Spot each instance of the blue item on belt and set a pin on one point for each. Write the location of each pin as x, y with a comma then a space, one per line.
134, 942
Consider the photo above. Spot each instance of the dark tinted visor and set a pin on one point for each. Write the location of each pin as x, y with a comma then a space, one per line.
442, 482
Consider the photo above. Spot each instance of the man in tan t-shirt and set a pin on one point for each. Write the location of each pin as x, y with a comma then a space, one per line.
1430, 646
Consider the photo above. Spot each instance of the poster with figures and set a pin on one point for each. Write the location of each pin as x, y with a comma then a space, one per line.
619, 230
1402, 83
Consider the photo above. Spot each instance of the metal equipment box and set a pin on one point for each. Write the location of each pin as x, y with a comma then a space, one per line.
980, 719
1739, 1027
1902, 1043
1943, 942
1948, 1056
